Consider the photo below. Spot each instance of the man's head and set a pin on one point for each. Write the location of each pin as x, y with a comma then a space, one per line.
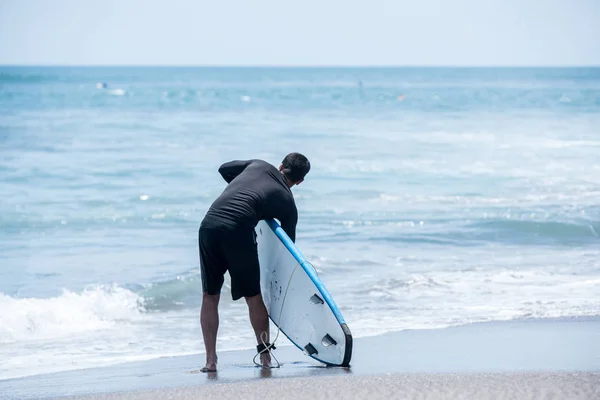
295, 166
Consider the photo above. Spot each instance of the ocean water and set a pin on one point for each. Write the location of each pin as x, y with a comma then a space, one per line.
437, 197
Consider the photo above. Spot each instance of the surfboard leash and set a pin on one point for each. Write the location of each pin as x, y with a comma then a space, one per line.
265, 346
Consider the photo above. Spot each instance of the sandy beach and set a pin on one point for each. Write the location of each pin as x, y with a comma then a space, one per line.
391, 386
528, 359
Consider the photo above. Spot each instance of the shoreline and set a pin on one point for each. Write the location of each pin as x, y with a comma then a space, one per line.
548, 347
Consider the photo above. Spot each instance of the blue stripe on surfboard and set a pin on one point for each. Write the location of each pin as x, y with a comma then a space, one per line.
287, 242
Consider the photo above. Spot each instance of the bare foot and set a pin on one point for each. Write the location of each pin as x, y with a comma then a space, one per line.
211, 366
265, 360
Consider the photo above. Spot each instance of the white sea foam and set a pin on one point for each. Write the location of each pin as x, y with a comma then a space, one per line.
99, 326
70, 313
441, 299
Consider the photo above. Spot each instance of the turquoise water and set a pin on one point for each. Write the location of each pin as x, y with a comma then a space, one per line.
437, 197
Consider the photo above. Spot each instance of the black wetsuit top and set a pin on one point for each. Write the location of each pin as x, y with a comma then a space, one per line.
256, 190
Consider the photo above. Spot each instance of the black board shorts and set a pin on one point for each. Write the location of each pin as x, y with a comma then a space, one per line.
229, 250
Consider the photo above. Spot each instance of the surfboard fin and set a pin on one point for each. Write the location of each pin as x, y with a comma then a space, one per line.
310, 349
314, 299
328, 341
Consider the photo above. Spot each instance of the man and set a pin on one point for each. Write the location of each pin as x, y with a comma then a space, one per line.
256, 190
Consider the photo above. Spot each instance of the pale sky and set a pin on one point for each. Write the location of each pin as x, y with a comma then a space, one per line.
306, 32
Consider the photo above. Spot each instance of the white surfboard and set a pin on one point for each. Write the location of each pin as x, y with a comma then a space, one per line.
297, 300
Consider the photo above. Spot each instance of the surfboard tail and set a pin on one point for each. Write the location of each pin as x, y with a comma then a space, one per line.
348, 350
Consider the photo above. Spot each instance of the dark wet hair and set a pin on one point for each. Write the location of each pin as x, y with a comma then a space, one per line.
295, 167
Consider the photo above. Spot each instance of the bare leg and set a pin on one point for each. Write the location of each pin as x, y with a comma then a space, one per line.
209, 319
260, 323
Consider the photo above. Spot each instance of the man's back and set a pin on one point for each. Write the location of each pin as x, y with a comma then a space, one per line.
256, 190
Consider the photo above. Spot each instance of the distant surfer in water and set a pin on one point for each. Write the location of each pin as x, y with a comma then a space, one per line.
256, 190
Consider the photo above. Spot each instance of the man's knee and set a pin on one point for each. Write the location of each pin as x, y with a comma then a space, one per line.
210, 298
256, 303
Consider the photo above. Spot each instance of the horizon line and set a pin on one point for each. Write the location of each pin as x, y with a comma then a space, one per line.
349, 66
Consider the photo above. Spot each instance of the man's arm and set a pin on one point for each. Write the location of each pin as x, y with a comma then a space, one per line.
288, 224
231, 169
